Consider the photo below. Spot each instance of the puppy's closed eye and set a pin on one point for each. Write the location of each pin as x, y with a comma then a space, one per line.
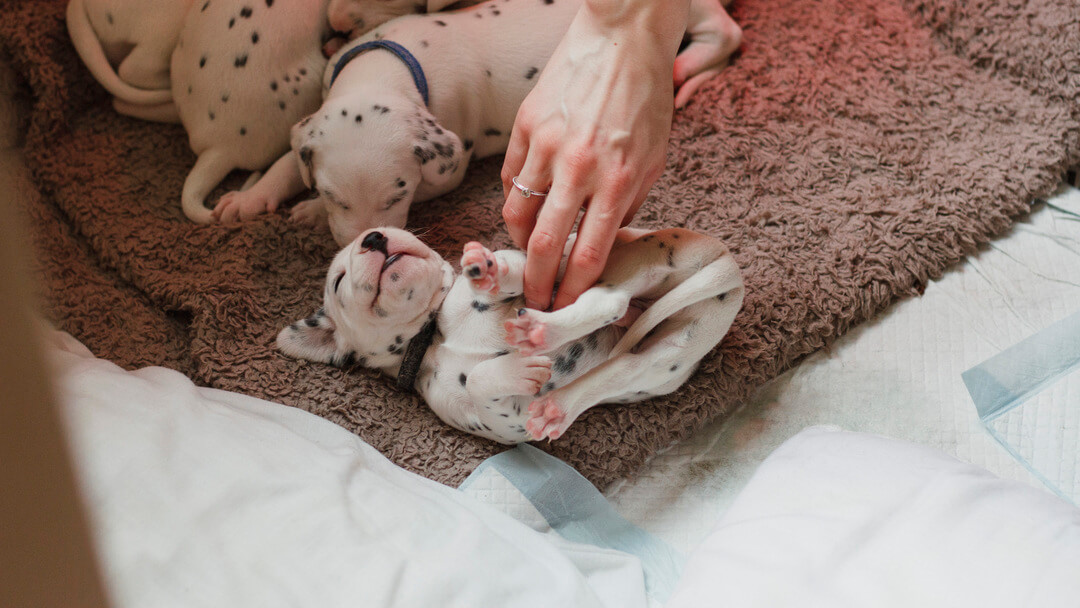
337, 281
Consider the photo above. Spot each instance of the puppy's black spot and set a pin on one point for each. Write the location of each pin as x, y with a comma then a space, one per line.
671, 258
398, 339
424, 43
550, 386
492, 132
488, 73
468, 144
462, 378
395, 277
109, 18
440, 23
281, 104
245, 12
189, 89
495, 12
211, 115
232, 22
204, 6
243, 130
674, 367
240, 61
202, 61
549, 1
296, 91
563, 365
273, 85
409, 297
359, 119
269, 3
576, 350
344, 112
478, 15
480, 306
254, 37
530, 73
286, 78
224, 97
303, 72
592, 341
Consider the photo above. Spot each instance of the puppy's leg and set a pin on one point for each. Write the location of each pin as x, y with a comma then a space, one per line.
506, 376
534, 331
714, 36
493, 275
660, 365
281, 182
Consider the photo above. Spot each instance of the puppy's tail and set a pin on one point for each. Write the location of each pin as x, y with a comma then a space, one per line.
719, 278
89, 48
212, 167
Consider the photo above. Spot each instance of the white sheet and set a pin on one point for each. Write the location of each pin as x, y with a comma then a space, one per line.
200, 497
897, 375
836, 519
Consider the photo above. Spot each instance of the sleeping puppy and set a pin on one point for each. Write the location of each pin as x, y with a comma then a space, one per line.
137, 37
488, 366
360, 16
376, 145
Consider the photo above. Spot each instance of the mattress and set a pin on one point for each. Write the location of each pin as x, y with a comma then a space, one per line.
898, 375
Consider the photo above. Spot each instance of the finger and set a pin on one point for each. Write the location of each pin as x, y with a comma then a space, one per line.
639, 199
516, 152
547, 241
520, 213
596, 234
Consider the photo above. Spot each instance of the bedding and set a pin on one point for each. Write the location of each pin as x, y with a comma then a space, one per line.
199, 497
840, 519
846, 157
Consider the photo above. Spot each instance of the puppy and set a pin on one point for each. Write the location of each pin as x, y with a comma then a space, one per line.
487, 366
375, 145
360, 16
127, 45
243, 73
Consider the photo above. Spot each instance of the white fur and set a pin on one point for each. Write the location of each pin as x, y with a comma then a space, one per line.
512, 374
480, 64
126, 45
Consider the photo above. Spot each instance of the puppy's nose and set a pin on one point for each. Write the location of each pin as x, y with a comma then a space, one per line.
374, 240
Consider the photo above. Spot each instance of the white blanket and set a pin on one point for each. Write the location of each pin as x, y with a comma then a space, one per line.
200, 497
836, 519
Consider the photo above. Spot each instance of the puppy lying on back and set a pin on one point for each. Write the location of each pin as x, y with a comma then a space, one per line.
486, 365
377, 143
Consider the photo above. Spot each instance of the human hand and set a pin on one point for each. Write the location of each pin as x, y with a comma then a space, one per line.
593, 133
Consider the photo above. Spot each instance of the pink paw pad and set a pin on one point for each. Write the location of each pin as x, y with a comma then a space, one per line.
526, 332
546, 420
481, 267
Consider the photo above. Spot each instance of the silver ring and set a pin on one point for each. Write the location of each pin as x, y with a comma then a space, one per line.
526, 192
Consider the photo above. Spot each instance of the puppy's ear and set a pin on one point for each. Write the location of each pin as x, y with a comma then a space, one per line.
303, 146
440, 152
313, 339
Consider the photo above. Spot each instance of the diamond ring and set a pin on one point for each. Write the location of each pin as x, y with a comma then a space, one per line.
525, 191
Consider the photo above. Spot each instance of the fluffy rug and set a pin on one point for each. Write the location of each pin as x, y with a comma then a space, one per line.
852, 152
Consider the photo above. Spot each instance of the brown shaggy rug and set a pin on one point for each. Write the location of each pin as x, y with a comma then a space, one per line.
852, 152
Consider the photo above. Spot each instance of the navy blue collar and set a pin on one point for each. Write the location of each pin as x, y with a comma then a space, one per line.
395, 48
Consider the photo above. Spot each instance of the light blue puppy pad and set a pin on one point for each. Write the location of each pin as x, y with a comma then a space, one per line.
575, 509
1028, 398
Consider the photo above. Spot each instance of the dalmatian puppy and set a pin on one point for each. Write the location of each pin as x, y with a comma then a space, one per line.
243, 72
360, 16
375, 146
488, 366
127, 45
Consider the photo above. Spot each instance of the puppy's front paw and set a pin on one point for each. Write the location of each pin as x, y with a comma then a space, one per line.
547, 419
481, 267
310, 212
245, 205
527, 332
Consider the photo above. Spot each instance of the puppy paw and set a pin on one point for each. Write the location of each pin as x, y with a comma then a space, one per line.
244, 205
481, 267
532, 375
547, 419
527, 332
310, 212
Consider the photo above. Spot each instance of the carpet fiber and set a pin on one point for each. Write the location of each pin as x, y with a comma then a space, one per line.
852, 152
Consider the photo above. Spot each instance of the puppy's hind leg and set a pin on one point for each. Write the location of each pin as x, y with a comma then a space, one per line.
660, 365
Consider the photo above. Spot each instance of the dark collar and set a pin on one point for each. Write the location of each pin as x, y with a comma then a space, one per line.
414, 354
395, 48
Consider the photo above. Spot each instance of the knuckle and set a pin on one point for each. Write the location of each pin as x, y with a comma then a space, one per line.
589, 257
544, 243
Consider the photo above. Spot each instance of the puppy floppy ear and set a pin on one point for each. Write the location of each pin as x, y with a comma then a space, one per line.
314, 339
440, 152
303, 145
